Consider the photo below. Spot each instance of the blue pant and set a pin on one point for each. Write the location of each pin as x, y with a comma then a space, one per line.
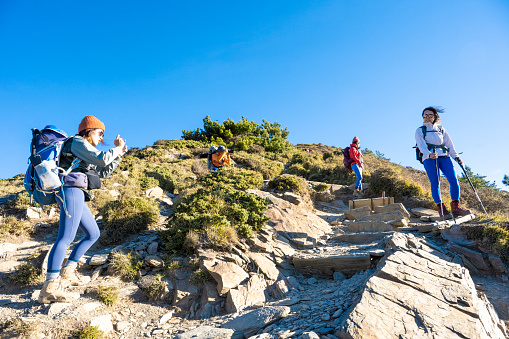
358, 173
80, 217
446, 166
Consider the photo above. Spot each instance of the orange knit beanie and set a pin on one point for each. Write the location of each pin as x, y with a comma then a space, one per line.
90, 122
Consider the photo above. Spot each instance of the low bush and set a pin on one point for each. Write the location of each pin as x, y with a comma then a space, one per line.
214, 215
21, 202
200, 276
156, 289
390, 181
127, 266
285, 183
17, 328
126, 216
14, 226
237, 178
321, 187
256, 162
89, 332
26, 274
107, 294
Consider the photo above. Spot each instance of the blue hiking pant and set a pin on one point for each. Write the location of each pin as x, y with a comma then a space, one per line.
446, 166
358, 173
80, 217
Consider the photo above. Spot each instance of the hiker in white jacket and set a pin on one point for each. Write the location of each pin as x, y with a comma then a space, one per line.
437, 149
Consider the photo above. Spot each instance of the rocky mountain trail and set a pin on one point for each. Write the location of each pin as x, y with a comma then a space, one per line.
316, 270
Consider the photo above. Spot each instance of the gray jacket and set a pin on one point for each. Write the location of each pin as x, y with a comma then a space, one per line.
104, 163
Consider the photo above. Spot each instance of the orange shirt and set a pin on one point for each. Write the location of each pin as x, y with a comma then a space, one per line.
221, 159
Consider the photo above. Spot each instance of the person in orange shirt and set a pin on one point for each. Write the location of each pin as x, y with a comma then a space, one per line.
220, 158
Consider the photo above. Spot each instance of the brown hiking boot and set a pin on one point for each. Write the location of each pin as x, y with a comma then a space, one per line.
69, 277
457, 210
443, 212
52, 292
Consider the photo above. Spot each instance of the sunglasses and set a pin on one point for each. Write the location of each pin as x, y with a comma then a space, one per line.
428, 115
100, 133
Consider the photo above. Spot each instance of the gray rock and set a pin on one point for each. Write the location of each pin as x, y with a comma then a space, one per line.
103, 323
98, 259
252, 322
122, 326
361, 238
415, 294
33, 213
369, 226
266, 265
227, 274
166, 317
206, 332
399, 222
339, 276
152, 248
328, 264
154, 261
476, 258
455, 234
310, 335
497, 264
358, 213
391, 208
156, 193
388, 216
293, 198
252, 293
57, 308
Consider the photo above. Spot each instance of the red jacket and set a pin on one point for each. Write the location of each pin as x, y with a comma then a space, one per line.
356, 155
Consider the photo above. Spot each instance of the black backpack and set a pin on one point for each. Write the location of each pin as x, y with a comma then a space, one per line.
418, 153
347, 160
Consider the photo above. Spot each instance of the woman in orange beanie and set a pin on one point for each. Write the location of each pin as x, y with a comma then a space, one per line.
74, 213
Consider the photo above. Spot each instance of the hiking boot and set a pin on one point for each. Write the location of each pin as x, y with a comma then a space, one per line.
457, 210
443, 212
70, 277
52, 292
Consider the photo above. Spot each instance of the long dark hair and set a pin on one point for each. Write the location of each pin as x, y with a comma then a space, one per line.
435, 111
86, 135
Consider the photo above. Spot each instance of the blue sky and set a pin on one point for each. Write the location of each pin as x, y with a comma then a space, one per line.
327, 70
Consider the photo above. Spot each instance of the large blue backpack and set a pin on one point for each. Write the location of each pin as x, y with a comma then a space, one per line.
43, 178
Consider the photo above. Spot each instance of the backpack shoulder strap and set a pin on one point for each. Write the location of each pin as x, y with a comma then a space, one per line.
423, 129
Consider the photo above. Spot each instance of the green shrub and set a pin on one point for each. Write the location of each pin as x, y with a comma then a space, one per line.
89, 332
26, 274
11, 225
108, 294
321, 187
214, 214
256, 162
21, 202
156, 289
148, 182
17, 328
128, 215
179, 144
390, 181
126, 266
237, 178
241, 135
200, 276
285, 183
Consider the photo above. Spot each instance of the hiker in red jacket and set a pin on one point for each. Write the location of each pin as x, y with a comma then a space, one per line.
358, 163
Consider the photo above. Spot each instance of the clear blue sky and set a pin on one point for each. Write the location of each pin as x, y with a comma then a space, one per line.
327, 70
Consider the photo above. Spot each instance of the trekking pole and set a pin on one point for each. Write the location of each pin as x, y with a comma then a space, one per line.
438, 178
471, 185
